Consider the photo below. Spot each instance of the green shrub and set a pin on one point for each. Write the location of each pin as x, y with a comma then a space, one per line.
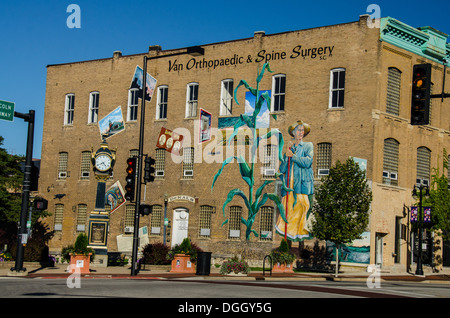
80, 247
282, 254
184, 248
155, 254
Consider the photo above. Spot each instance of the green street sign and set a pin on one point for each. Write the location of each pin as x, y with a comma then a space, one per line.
6, 110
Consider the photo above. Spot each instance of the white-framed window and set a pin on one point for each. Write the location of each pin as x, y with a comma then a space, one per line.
94, 99
337, 88
390, 161
226, 97
133, 101
191, 100
69, 109
161, 107
393, 91
278, 92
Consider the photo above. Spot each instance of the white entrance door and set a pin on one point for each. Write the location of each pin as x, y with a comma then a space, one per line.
379, 249
180, 225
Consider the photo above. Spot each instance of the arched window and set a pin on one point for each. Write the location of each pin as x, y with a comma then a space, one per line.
423, 166
390, 161
393, 91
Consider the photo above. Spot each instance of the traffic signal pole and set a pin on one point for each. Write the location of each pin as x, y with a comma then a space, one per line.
139, 173
22, 230
443, 94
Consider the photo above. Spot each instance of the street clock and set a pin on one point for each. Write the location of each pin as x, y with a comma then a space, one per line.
103, 161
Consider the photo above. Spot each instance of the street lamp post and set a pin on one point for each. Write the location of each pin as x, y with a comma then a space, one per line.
21, 237
139, 172
419, 269
165, 216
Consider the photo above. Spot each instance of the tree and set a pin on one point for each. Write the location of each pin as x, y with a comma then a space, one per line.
11, 178
341, 210
439, 200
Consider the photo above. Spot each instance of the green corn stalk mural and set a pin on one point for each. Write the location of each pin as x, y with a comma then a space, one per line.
255, 199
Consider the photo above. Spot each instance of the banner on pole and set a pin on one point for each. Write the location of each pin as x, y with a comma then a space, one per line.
427, 214
414, 213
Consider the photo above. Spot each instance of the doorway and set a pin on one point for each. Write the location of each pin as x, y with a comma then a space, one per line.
379, 249
180, 225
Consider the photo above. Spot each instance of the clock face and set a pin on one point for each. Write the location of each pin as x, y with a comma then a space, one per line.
103, 162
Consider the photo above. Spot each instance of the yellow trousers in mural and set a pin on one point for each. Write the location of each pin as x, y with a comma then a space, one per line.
296, 216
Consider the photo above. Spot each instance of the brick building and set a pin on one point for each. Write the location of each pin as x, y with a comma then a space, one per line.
350, 82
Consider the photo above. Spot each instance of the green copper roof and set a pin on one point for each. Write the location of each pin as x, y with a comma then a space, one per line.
425, 41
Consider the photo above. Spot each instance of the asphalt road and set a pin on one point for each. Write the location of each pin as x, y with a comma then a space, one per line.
11, 287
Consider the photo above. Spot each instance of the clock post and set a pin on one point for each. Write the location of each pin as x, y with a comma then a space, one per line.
103, 162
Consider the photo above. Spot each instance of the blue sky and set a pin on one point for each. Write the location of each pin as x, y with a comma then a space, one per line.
34, 34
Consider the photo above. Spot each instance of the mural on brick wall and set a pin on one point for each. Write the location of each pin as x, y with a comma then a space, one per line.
297, 175
255, 198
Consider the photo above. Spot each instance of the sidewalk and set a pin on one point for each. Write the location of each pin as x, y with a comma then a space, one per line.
162, 272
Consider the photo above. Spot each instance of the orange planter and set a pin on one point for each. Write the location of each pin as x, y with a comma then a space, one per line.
79, 262
282, 268
181, 263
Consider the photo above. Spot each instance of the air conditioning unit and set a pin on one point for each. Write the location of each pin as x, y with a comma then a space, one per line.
323, 172
85, 174
159, 173
269, 172
393, 175
385, 174
81, 227
129, 229
155, 230
188, 173
62, 174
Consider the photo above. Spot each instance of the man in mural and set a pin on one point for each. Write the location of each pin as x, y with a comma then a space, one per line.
297, 174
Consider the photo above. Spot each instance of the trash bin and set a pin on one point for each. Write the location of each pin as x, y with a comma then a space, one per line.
203, 263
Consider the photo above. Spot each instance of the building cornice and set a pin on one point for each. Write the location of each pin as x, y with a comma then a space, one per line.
426, 41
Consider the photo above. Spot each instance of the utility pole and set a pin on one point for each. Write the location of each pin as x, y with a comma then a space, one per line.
22, 231
139, 173
194, 51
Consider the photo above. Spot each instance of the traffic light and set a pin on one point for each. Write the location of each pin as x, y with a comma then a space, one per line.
145, 209
149, 170
130, 179
40, 204
420, 99
34, 182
